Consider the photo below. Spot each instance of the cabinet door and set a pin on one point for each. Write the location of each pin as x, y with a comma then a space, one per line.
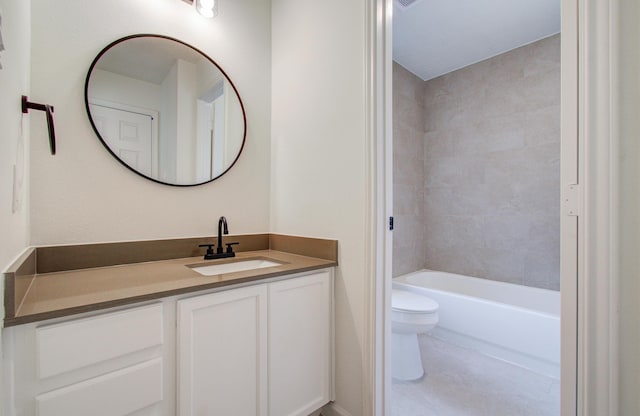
300, 340
222, 368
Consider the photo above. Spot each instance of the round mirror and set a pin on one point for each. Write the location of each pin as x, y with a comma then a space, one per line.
165, 110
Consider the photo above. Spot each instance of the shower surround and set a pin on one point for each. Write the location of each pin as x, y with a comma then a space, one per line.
477, 171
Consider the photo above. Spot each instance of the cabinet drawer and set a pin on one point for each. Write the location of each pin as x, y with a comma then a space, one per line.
115, 394
79, 343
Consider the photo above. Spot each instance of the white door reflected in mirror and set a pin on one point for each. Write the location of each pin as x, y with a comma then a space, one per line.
129, 136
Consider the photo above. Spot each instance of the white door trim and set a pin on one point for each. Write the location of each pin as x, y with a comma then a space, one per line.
597, 299
380, 174
571, 198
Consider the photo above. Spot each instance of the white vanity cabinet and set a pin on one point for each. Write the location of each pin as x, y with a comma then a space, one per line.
108, 364
259, 350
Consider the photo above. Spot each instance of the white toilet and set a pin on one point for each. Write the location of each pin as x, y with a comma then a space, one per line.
411, 314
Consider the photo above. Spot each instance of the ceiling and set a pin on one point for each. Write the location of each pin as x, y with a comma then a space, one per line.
434, 37
146, 58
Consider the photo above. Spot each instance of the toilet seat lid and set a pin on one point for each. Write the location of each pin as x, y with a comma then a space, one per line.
406, 301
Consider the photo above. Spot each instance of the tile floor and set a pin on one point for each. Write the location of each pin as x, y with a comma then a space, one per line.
462, 382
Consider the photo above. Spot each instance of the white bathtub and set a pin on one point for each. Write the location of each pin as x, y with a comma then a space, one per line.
514, 323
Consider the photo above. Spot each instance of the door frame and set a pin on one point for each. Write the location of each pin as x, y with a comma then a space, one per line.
588, 215
569, 207
596, 386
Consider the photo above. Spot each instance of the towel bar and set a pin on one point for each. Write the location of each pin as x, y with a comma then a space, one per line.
48, 109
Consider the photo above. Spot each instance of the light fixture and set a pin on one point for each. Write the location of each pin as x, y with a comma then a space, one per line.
207, 8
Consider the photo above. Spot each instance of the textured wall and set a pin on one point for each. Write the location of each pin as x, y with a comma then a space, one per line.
491, 168
408, 175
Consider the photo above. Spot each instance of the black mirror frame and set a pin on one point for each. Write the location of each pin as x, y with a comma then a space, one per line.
104, 143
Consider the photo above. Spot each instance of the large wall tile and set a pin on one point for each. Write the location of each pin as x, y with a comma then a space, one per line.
408, 176
492, 168
487, 157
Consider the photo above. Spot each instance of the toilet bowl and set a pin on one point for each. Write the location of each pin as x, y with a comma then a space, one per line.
411, 314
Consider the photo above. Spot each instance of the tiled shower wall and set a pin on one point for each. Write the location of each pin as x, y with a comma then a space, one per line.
491, 173
408, 172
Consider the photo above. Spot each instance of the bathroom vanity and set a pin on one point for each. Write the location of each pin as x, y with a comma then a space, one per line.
249, 342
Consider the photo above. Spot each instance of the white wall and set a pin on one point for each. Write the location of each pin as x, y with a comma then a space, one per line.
629, 207
14, 143
168, 135
187, 110
318, 155
232, 124
82, 194
14, 133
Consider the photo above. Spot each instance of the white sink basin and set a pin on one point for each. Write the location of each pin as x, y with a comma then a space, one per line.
233, 266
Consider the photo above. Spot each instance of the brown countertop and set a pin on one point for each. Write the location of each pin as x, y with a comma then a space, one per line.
40, 296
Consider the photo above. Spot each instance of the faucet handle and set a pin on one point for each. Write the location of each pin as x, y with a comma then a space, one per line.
229, 248
209, 254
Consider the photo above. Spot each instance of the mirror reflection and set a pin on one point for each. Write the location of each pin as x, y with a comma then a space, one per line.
165, 110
